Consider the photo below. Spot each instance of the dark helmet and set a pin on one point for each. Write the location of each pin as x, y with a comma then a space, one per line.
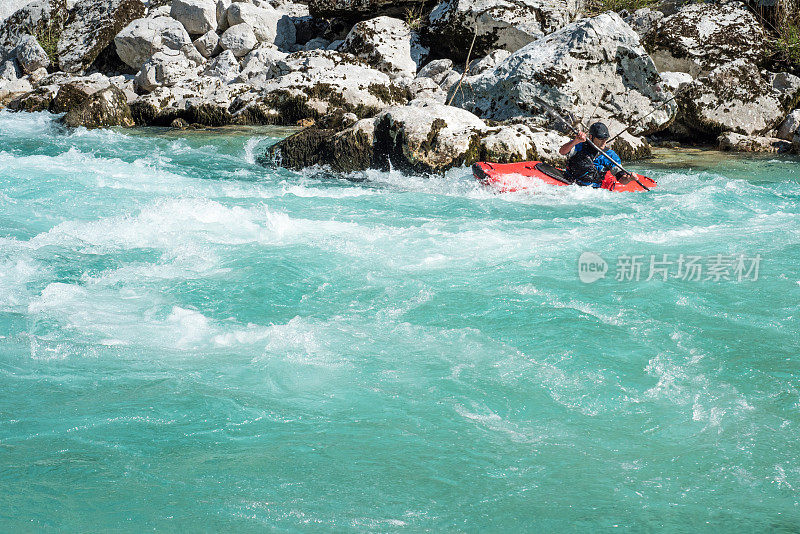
599, 130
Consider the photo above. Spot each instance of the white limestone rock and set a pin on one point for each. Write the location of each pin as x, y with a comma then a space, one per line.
593, 66
385, 43
225, 67
30, 54
165, 69
197, 16
143, 38
208, 44
239, 39
269, 24
789, 126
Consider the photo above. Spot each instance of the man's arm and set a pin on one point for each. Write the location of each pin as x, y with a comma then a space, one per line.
567, 147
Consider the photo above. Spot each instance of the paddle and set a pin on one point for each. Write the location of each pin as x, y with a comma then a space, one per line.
575, 131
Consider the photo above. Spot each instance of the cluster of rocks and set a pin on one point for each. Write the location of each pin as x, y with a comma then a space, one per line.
386, 83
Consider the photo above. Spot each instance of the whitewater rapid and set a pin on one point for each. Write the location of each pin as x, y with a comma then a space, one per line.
191, 340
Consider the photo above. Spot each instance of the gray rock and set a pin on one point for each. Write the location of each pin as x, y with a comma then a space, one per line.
91, 28
35, 16
30, 54
9, 7
520, 142
506, 24
10, 71
436, 70
142, 38
222, 17
385, 43
263, 63
225, 67
239, 39
595, 66
318, 83
427, 136
731, 98
700, 37
197, 16
427, 88
269, 25
743, 143
789, 126
167, 68
318, 43
208, 44
493, 59
644, 21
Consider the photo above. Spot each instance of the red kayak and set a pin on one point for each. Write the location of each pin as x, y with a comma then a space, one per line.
509, 177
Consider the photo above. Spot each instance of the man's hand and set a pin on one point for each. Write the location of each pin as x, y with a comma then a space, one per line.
579, 138
625, 178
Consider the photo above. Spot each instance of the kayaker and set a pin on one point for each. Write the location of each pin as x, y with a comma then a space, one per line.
586, 165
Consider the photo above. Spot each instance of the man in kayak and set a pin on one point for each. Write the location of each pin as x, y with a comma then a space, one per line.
586, 165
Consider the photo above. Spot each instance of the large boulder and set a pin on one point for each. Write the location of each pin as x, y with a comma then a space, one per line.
263, 63
197, 16
352, 149
107, 107
35, 17
269, 24
73, 94
316, 83
385, 43
734, 98
427, 136
30, 54
202, 99
362, 9
521, 142
703, 36
142, 38
595, 67
91, 27
239, 39
506, 24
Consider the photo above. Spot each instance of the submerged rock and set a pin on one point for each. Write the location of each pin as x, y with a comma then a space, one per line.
595, 67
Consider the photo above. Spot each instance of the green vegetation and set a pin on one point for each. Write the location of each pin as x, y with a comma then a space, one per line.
595, 7
415, 17
48, 34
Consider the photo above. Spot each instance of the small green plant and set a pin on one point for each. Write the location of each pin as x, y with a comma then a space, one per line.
595, 7
48, 34
415, 17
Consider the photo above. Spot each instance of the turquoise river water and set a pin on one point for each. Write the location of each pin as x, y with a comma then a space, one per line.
191, 341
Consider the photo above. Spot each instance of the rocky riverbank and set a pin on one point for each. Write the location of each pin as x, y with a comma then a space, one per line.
380, 84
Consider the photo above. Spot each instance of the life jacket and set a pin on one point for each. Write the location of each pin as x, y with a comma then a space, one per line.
581, 168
